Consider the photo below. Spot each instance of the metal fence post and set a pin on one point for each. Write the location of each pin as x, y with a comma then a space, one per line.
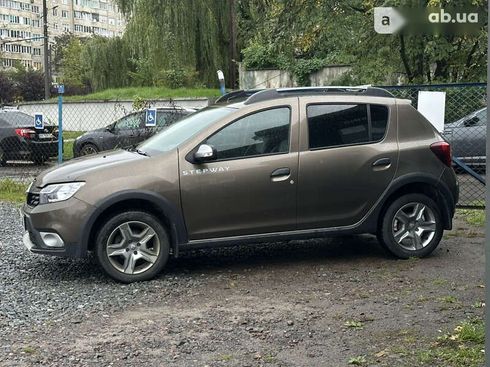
61, 90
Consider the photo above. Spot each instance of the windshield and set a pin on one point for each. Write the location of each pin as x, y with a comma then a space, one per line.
179, 132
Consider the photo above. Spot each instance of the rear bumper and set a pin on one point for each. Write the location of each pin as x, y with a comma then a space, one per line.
31, 149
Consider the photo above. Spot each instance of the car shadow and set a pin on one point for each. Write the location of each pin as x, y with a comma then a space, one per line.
344, 250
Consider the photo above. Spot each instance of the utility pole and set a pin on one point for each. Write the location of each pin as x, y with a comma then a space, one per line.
232, 44
46, 59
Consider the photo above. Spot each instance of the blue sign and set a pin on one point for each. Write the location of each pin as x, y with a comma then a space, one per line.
38, 121
61, 89
151, 117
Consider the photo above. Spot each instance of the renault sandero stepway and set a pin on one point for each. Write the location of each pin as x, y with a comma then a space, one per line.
277, 164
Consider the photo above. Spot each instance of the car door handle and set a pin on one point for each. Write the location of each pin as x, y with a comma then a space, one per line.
280, 174
382, 162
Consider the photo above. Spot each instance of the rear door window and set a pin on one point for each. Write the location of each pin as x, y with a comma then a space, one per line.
332, 125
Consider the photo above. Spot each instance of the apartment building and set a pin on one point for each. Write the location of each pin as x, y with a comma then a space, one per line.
21, 26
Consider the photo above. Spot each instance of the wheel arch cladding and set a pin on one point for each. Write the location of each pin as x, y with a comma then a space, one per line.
423, 184
169, 215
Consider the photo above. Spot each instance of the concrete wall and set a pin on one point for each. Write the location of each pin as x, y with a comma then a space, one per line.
83, 116
273, 78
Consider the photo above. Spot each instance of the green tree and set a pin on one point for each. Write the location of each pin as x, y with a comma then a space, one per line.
71, 66
342, 32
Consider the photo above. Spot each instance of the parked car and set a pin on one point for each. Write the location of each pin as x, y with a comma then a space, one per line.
128, 131
468, 137
284, 164
19, 140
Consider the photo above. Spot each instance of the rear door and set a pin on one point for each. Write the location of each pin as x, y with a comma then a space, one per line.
251, 187
348, 157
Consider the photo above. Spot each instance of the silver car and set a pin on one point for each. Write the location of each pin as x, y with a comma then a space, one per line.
467, 137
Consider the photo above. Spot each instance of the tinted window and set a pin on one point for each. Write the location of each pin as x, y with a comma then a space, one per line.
16, 119
265, 132
379, 120
335, 125
332, 125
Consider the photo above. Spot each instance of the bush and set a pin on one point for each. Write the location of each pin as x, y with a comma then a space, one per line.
177, 78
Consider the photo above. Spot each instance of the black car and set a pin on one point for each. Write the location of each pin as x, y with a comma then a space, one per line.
19, 140
128, 131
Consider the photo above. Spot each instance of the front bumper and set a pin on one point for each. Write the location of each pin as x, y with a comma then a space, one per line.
61, 220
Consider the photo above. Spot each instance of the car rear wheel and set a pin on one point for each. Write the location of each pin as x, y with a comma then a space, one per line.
411, 226
88, 149
132, 246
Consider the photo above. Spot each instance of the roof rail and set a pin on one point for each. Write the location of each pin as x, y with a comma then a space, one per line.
267, 94
237, 95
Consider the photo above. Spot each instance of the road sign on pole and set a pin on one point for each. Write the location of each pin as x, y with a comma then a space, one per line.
151, 117
38, 121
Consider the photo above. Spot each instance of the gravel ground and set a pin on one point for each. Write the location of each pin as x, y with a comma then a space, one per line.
281, 304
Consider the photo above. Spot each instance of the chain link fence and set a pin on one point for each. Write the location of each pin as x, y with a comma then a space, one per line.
465, 129
90, 127
29, 136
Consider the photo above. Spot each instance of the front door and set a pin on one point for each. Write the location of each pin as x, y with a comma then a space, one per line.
251, 187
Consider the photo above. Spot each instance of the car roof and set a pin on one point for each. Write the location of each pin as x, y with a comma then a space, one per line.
246, 97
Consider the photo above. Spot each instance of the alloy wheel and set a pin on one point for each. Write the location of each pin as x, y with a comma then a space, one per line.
414, 226
133, 247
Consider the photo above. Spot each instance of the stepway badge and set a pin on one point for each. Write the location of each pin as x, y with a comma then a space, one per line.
151, 117
38, 121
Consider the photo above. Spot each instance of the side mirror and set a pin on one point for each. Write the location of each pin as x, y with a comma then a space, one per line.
205, 153
110, 128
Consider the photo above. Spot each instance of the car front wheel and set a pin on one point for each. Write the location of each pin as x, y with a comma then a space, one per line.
411, 226
89, 149
132, 246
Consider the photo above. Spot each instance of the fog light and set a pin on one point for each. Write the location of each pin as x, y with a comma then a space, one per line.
52, 239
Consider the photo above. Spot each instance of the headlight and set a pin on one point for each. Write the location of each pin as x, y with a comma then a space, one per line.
59, 192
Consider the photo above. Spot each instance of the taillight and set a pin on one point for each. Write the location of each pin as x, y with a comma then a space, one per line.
442, 150
25, 133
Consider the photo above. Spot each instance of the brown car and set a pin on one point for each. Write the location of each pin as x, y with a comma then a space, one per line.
283, 164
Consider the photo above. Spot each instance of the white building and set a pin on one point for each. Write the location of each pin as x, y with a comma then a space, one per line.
22, 19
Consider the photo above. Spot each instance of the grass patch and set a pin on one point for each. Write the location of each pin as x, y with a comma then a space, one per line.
145, 93
358, 361
67, 150
72, 134
225, 357
12, 191
475, 217
354, 324
463, 347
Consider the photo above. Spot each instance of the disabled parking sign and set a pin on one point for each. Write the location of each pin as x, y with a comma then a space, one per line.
38, 121
151, 117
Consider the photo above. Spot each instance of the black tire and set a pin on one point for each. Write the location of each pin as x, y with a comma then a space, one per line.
389, 224
113, 267
88, 149
39, 160
3, 157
